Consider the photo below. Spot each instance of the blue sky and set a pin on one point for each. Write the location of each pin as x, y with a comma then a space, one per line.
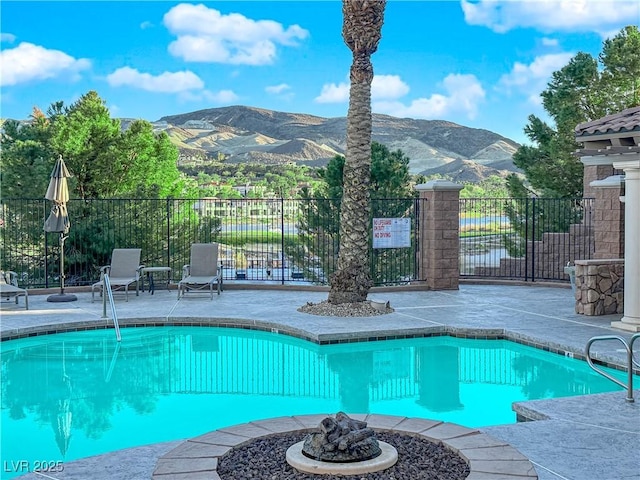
477, 63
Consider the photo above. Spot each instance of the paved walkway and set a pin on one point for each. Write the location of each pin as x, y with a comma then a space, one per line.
595, 437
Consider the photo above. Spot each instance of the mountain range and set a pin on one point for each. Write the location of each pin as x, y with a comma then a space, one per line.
255, 135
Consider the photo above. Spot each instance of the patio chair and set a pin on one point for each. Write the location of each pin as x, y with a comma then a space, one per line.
9, 287
203, 271
123, 271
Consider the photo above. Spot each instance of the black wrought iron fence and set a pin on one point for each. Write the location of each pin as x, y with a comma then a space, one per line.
524, 238
271, 240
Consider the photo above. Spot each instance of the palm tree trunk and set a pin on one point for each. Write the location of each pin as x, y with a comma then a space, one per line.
361, 30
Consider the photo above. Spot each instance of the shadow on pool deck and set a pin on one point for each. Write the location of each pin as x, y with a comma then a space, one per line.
592, 437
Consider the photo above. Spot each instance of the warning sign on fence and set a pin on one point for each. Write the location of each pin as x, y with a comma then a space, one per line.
391, 232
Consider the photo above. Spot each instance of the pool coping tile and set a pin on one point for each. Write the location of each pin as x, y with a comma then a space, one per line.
197, 450
498, 452
417, 425
281, 424
218, 437
470, 442
383, 422
447, 431
249, 430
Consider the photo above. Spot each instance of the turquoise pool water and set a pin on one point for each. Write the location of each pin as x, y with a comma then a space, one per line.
77, 394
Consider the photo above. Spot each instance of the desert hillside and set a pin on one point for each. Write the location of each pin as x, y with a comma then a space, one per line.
246, 134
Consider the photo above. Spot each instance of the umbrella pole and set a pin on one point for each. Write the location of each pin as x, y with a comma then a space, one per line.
62, 239
62, 297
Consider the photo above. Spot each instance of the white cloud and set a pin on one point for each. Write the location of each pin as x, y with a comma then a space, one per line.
167, 82
549, 42
388, 86
146, 24
222, 97
463, 95
333, 93
532, 79
601, 16
28, 62
206, 35
7, 37
382, 87
277, 89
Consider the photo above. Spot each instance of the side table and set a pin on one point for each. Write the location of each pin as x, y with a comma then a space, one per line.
149, 271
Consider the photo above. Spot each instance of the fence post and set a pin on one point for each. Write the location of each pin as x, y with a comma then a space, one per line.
168, 233
533, 239
439, 262
46, 248
282, 238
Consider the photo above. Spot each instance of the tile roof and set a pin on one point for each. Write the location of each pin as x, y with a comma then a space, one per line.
625, 121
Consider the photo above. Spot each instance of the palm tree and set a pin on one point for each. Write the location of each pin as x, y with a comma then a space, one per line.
361, 30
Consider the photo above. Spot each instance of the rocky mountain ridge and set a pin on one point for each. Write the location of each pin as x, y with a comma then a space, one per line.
248, 134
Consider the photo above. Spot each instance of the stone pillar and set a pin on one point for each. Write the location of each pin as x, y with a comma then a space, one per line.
595, 168
599, 286
608, 219
631, 319
439, 261
594, 172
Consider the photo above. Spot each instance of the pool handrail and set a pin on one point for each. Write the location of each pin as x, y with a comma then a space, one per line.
631, 361
109, 295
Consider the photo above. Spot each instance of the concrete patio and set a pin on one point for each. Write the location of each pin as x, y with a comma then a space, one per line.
593, 437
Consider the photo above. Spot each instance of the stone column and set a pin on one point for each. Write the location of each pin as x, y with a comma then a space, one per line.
608, 219
595, 168
592, 172
631, 319
439, 261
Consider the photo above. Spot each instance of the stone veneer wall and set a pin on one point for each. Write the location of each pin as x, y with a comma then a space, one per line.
599, 286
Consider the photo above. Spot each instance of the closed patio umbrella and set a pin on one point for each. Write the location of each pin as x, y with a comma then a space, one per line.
58, 220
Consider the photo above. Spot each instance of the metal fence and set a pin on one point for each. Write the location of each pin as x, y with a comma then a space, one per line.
524, 238
288, 240
264, 240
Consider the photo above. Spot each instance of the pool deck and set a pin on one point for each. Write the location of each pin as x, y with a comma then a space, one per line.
594, 437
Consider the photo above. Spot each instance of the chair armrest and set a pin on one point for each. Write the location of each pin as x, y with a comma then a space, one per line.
185, 271
105, 269
139, 272
12, 277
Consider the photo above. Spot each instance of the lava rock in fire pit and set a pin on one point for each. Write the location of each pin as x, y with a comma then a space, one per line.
342, 440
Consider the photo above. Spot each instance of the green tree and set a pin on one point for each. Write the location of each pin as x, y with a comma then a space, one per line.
108, 162
319, 227
86, 136
621, 60
494, 186
27, 159
583, 90
361, 31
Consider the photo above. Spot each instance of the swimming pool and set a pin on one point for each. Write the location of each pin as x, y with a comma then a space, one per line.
76, 394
